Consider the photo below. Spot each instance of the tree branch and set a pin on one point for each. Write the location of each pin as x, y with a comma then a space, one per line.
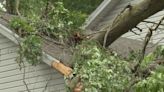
132, 17
145, 73
146, 41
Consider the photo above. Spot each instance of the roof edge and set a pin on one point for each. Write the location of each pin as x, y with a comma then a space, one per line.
48, 59
9, 34
99, 11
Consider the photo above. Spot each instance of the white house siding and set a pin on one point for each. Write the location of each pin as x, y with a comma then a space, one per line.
40, 78
158, 35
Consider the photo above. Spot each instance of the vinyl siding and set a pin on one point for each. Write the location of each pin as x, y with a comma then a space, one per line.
36, 77
158, 35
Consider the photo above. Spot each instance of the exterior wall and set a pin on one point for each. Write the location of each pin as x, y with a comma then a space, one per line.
158, 35
123, 46
36, 77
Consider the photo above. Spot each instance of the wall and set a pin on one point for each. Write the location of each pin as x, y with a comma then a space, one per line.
36, 77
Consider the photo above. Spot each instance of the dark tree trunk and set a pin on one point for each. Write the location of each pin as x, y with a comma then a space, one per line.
129, 18
12, 7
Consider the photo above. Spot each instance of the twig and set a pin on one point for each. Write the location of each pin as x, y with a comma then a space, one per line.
49, 39
159, 23
146, 41
145, 73
47, 84
109, 28
138, 29
93, 33
133, 82
134, 32
24, 72
45, 12
105, 37
20, 58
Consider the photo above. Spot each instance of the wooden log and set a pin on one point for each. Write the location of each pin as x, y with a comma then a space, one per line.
66, 71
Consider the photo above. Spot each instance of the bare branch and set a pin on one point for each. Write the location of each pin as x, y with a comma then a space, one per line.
134, 32
24, 75
146, 41
144, 73
51, 40
159, 23
138, 29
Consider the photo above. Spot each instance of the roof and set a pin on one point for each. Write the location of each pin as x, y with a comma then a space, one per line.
54, 51
51, 52
101, 11
101, 17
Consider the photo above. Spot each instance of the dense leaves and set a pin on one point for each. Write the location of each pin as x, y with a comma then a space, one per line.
58, 23
31, 49
99, 70
103, 72
154, 83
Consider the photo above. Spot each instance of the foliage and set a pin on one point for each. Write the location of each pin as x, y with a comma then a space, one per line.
57, 23
30, 49
154, 83
30, 45
103, 72
85, 6
100, 71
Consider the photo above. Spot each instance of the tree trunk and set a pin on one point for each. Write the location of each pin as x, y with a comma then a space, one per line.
12, 7
129, 18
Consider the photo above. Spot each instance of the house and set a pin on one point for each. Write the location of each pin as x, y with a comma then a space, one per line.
42, 78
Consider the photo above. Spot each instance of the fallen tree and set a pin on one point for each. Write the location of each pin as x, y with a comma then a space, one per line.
128, 18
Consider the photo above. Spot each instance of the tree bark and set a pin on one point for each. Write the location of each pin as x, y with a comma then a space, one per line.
129, 18
12, 6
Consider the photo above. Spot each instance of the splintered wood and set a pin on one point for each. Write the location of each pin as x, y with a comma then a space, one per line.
66, 71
